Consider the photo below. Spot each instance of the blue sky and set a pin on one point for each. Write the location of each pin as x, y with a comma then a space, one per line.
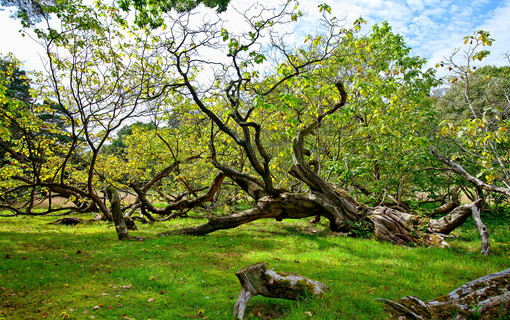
433, 28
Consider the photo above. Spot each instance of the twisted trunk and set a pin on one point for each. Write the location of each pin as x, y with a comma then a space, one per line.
485, 298
322, 199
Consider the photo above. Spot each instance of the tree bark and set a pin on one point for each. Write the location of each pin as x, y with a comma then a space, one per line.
392, 225
287, 206
484, 234
323, 199
454, 219
257, 279
485, 298
118, 218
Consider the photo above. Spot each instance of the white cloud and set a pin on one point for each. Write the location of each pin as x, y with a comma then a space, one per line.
24, 48
499, 27
433, 28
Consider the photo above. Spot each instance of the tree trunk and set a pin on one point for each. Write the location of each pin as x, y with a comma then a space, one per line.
287, 206
484, 234
450, 205
323, 199
392, 225
257, 279
384, 223
485, 298
118, 218
454, 219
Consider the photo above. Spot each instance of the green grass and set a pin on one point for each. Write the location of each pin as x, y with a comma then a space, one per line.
83, 272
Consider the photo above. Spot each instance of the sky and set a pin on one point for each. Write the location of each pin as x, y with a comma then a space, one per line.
432, 28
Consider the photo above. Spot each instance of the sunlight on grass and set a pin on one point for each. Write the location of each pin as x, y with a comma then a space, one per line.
83, 272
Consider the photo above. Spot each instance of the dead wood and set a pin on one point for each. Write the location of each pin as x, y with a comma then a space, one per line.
484, 234
485, 298
68, 221
257, 279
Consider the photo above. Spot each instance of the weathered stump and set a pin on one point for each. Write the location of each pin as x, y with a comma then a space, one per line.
257, 279
485, 298
118, 217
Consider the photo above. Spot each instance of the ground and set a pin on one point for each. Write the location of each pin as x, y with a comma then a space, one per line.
84, 272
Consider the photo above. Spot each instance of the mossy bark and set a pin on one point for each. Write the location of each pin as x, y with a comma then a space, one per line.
485, 298
257, 279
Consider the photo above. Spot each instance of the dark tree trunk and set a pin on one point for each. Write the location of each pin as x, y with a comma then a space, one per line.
485, 298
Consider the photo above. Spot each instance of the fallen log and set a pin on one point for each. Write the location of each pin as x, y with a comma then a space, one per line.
68, 221
485, 298
257, 279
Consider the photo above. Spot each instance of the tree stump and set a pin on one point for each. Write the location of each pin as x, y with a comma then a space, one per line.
257, 279
118, 217
485, 298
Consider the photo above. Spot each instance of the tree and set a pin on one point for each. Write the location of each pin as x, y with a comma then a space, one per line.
268, 132
476, 130
97, 81
246, 108
89, 66
30, 11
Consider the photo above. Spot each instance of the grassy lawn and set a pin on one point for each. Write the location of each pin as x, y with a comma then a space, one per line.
84, 272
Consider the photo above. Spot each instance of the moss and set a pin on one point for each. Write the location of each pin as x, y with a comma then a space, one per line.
442, 299
282, 288
305, 288
284, 274
265, 277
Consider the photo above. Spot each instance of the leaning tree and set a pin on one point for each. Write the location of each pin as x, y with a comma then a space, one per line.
286, 124
100, 75
281, 120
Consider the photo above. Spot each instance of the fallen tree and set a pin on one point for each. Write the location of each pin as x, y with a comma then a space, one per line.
243, 123
484, 298
257, 279
323, 198
244, 109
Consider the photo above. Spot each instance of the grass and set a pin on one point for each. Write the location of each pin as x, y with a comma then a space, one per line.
83, 272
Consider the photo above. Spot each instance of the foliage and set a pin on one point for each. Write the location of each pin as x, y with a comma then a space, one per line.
377, 143
475, 110
150, 13
145, 111
30, 11
31, 134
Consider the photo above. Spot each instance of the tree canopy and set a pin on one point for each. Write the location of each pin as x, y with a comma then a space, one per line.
341, 125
